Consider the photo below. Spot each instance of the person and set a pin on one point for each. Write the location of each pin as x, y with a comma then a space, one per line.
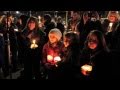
33, 41
1, 55
51, 50
48, 25
96, 55
74, 22
60, 25
69, 65
88, 22
7, 27
21, 22
110, 26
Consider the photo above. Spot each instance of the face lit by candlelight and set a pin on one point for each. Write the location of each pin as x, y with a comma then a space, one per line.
66, 42
52, 38
112, 18
92, 42
31, 25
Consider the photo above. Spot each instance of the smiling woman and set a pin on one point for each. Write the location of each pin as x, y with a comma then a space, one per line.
93, 54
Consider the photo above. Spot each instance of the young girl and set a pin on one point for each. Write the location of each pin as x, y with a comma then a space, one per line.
95, 56
51, 50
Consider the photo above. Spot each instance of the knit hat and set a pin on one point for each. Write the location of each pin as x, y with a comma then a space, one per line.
56, 32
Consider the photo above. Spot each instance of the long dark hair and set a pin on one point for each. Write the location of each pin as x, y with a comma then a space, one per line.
32, 19
73, 40
102, 43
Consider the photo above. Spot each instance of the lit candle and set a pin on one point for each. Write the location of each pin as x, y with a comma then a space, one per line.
49, 58
33, 45
57, 59
39, 18
16, 30
86, 69
34, 41
110, 25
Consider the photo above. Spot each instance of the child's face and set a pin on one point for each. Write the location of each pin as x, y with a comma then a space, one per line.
66, 42
52, 38
92, 42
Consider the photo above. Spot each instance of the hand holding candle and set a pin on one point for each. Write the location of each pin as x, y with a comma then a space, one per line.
49, 58
33, 44
110, 25
57, 59
86, 69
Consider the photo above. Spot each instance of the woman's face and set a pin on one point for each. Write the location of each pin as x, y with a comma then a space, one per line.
85, 17
112, 18
52, 38
31, 25
66, 42
8, 21
92, 42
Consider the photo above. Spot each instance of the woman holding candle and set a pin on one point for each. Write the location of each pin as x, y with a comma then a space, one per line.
69, 65
51, 53
33, 41
110, 26
94, 60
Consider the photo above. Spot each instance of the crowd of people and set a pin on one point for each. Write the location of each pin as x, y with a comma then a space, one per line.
88, 49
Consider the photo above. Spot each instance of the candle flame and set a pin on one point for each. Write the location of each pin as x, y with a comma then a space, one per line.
49, 58
110, 24
57, 58
86, 67
33, 44
34, 41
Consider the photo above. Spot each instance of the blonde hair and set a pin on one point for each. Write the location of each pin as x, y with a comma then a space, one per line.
115, 13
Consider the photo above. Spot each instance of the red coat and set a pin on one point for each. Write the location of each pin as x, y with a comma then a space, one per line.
48, 49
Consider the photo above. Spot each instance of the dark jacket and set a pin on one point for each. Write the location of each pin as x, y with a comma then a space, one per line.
32, 57
101, 63
13, 46
69, 66
85, 29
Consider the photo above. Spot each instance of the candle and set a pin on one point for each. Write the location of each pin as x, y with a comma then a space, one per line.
49, 58
57, 59
86, 69
39, 17
110, 25
16, 30
33, 44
